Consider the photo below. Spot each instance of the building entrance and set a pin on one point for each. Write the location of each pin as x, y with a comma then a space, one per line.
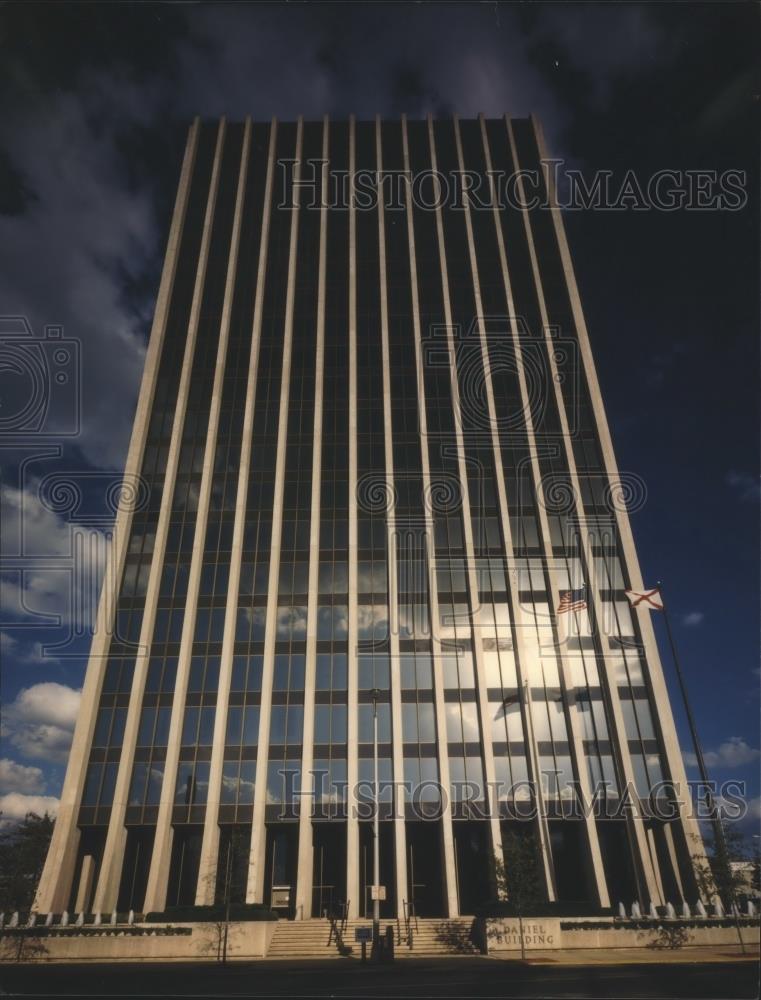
183, 870
281, 860
387, 869
425, 869
616, 850
137, 861
329, 869
472, 864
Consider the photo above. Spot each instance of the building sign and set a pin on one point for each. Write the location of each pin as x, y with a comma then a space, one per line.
536, 934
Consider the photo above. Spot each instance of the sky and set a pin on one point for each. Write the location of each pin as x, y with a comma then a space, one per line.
96, 103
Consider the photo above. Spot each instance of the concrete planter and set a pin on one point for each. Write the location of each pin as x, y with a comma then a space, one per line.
547, 933
141, 943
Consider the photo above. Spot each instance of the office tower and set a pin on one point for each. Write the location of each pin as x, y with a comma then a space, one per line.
378, 478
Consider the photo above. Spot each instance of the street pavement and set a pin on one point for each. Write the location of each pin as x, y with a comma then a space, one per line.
713, 975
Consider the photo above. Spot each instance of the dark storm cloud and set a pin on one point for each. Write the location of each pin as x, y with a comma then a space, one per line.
375, 59
100, 96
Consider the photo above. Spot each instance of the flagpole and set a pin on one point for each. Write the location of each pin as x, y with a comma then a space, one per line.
538, 796
715, 818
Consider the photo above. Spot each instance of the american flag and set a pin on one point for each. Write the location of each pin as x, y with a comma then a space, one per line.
572, 600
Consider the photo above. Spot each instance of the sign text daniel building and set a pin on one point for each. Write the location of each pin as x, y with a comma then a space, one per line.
505, 935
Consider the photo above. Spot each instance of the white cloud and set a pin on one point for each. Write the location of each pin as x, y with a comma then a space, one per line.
26, 653
40, 721
372, 621
748, 488
737, 810
16, 805
29, 528
49, 702
20, 778
733, 752
693, 618
8, 643
291, 621
53, 583
754, 808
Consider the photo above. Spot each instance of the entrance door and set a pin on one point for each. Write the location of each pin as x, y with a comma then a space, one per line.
280, 872
232, 863
387, 869
570, 859
471, 843
329, 868
425, 872
617, 861
137, 860
184, 865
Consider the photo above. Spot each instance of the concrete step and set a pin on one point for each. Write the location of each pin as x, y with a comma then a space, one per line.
303, 939
431, 936
440, 936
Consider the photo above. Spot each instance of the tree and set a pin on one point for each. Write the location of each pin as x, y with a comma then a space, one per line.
718, 874
229, 882
23, 848
755, 870
517, 877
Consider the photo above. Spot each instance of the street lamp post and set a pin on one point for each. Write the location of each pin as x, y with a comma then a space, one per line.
376, 832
